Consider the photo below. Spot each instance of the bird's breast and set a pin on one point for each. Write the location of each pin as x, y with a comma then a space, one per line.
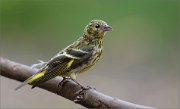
96, 56
92, 61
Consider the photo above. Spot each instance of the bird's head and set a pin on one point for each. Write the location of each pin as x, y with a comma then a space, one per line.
96, 29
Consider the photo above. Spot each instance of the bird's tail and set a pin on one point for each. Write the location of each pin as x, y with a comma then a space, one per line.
31, 79
23, 84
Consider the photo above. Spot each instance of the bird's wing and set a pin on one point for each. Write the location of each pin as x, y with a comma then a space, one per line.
46, 72
69, 59
59, 65
63, 63
56, 66
83, 55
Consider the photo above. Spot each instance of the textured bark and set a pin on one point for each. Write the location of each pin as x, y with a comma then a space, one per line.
69, 89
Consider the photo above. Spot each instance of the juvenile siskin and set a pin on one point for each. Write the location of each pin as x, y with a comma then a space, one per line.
75, 58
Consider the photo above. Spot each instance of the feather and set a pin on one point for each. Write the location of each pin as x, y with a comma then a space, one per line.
38, 65
31, 79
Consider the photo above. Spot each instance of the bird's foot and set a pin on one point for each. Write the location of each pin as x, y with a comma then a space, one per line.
79, 96
60, 85
84, 87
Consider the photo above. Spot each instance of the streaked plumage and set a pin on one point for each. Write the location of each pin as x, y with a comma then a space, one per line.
76, 58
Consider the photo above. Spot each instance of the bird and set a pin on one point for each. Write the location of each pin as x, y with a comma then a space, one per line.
76, 58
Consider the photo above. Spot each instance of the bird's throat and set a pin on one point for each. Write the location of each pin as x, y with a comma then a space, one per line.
96, 42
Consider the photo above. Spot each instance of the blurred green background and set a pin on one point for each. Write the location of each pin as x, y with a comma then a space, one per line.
141, 60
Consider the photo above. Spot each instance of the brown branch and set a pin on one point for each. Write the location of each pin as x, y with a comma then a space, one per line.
89, 98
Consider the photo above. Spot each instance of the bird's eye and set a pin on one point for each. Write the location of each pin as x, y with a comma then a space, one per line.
97, 26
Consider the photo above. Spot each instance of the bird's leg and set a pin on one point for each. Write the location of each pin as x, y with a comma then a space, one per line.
73, 77
77, 83
64, 79
79, 95
82, 87
60, 85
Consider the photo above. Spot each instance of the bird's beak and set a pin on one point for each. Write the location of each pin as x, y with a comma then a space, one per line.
107, 28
